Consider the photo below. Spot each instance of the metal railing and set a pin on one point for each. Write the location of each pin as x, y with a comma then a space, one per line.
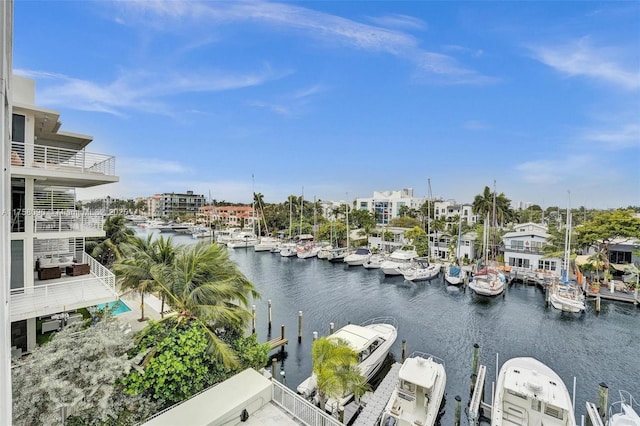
67, 220
100, 271
48, 157
301, 409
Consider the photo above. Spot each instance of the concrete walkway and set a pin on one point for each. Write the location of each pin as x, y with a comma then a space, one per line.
133, 316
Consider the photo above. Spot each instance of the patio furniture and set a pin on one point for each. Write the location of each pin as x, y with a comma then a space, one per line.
49, 273
77, 269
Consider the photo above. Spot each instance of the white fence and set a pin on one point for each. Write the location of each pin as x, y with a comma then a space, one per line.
299, 408
48, 157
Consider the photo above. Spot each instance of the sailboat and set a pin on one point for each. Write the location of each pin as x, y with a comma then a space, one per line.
454, 274
288, 249
565, 294
337, 255
487, 279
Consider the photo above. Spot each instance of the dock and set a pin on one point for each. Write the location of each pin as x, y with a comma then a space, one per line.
277, 342
372, 411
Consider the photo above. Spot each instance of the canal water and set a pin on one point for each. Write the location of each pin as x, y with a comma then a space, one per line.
444, 321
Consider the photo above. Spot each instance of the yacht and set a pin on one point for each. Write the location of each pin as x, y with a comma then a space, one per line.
454, 275
375, 261
307, 251
201, 232
398, 260
530, 393
421, 270
243, 239
337, 255
267, 244
372, 340
419, 392
358, 257
487, 281
288, 249
623, 412
325, 249
567, 297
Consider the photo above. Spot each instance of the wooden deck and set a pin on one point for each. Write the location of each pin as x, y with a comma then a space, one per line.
277, 342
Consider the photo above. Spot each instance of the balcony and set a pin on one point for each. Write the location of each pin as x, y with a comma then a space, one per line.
65, 293
60, 166
49, 224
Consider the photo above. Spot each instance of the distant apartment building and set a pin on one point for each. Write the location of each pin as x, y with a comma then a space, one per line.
386, 205
173, 204
450, 209
228, 216
51, 276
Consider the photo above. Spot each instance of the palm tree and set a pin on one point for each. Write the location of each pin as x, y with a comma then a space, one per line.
107, 251
205, 286
140, 256
335, 367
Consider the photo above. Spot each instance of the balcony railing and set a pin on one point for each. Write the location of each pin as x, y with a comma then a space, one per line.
61, 159
66, 293
532, 250
67, 220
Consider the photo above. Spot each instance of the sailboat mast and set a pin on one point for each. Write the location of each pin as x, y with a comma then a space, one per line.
493, 223
429, 218
347, 209
567, 241
290, 214
459, 238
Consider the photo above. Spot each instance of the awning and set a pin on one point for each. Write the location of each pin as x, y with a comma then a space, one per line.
623, 267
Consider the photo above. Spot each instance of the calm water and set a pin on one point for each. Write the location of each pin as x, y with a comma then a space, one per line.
445, 322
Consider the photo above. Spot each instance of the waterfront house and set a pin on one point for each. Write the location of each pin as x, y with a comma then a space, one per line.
51, 275
523, 249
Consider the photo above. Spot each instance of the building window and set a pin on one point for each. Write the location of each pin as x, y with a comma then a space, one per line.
17, 264
517, 245
17, 205
619, 256
546, 265
18, 128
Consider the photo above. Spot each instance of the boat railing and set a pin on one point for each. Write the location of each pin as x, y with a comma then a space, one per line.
625, 398
381, 320
426, 355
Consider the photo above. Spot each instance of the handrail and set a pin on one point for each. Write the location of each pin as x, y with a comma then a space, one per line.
49, 157
381, 320
104, 274
67, 220
301, 409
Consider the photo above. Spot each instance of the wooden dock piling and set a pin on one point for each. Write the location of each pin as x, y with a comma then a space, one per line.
299, 326
269, 313
475, 357
274, 362
404, 350
603, 401
331, 327
458, 410
598, 303
278, 341
315, 336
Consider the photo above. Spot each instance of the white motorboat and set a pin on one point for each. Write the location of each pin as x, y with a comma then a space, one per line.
487, 281
418, 395
266, 244
243, 240
567, 297
398, 260
359, 257
421, 270
201, 232
623, 412
375, 261
454, 275
372, 340
528, 392
223, 236
288, 249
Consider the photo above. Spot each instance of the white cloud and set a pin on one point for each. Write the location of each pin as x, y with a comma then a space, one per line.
580, 58
400, 21
475, 125
626, 136
555, 171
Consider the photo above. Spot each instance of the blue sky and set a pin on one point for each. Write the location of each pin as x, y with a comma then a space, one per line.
347, 97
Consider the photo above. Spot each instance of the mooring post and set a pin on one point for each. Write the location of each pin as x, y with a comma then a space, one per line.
475, 358
404, 350
315, 336
299, 326
547, 295
598, 303
282, 337
269, 313
331, 327
456, 415
274, 361
465, 283
603, 397
635, 295
253, 319
341, 414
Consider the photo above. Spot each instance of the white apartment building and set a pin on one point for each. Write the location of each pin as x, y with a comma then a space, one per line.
386, 205
6, 64
449, 209
441, 246
51, 275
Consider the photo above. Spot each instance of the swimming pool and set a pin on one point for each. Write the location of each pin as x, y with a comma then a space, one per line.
119, 307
